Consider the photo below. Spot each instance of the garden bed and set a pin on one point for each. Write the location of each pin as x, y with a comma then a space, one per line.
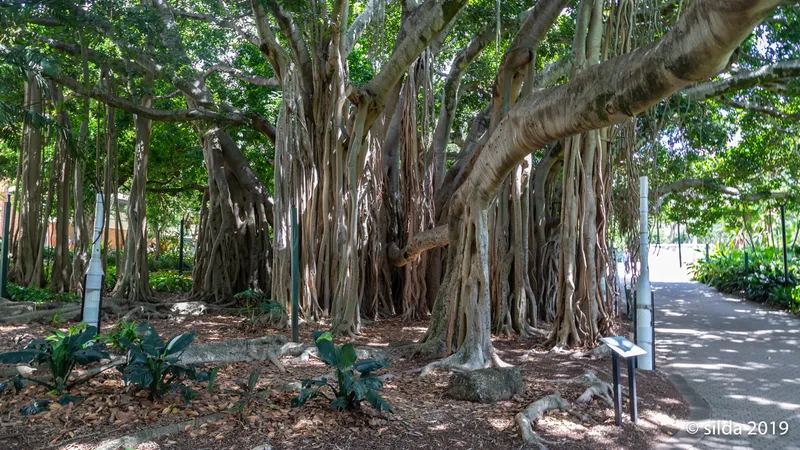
424, 417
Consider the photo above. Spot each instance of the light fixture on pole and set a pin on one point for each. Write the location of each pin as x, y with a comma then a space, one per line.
91, 307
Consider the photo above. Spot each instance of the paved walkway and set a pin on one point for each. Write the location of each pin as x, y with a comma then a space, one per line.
743, 359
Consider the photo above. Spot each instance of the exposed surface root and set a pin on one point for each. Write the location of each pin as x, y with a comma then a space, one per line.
150, 434
601, 390
269, 348
33, 313
464, 361
535, 411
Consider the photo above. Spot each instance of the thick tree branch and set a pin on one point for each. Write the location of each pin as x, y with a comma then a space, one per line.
659, 194
236, 73
426, 240
749, 106
697, 48
234, 117
419, 29
745, 79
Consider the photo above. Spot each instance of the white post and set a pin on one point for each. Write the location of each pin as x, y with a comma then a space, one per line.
94, 277
644, 315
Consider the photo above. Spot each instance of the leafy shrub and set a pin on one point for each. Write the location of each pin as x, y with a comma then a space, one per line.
61, 352
39, 295
763, 282
351, 390
170, 281
111, 277
153, 364
169, 261
260, 311
127, 330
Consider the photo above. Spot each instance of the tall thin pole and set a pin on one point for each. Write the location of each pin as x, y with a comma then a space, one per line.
783, 234
644, 313
295, 274
6, 242
180, 249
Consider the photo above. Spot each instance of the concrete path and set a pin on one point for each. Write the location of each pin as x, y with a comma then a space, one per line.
741, 358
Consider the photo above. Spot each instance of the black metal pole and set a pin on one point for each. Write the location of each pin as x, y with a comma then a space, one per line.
653, 324
632, 390
706, 252
680, 259
746, 264
180, 249
783, 234
617, 388
4, 261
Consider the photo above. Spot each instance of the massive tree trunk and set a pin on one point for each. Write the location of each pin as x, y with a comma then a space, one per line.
233, 249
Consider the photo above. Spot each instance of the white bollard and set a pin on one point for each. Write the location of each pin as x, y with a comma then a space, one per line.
644, 315
93, 290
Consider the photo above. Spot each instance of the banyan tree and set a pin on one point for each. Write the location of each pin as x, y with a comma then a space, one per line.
460, 162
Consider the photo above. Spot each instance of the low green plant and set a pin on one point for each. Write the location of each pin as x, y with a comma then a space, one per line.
61, 352
127, 330
260, 311
350, 390
39, 295
154, 364
248, 398
170, 281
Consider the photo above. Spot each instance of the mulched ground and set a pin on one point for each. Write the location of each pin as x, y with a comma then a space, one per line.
423, 417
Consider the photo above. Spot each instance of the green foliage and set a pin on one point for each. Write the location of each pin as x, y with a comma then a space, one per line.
763, 282
351, 390
170, 281
127, 330
153, 364
260, 310
39, 295
249, 397
61, 352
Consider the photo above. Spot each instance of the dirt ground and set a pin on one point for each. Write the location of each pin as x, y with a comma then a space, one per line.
423, 418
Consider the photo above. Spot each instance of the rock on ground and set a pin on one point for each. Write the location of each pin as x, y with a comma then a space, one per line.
486, 385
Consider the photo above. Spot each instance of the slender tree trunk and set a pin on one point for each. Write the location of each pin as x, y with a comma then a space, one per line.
134, 283
27, 249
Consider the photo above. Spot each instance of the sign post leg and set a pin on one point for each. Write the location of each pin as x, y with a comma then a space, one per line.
617, 389
632, 390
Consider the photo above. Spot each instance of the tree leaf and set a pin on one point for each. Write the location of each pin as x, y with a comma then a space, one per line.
365, 366
378, 402
348, 356
89, 355
179, 343
22, 356
339, 403
35, 407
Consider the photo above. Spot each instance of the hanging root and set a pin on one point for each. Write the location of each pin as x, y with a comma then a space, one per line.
535, 411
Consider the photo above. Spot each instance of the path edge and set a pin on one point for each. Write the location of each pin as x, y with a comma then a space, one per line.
699, 410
